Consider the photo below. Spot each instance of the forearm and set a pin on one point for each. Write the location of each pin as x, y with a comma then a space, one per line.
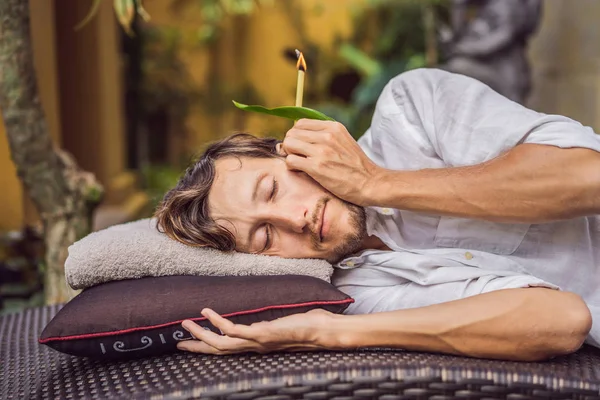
530, 183
517, 324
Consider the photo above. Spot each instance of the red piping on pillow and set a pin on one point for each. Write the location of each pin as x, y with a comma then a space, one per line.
141, 328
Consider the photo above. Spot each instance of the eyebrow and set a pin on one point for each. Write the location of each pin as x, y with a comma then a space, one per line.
259, 179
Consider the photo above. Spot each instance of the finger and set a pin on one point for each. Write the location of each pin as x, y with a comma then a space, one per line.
297, 146
303, 134
316, 137
196, 346
279, 149
199, 332
298, 163
229, 328
219, 342
313, 124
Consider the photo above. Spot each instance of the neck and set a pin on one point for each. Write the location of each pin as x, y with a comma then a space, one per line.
373, 243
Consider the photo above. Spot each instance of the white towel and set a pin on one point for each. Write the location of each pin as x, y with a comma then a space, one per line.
137, 249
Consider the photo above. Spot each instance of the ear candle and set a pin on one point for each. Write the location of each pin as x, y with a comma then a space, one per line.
301, 65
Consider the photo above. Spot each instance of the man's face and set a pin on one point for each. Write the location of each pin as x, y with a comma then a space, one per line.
274, 211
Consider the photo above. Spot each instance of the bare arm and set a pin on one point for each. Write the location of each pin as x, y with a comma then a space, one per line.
516, 324
530, 183
499, 160
513, 324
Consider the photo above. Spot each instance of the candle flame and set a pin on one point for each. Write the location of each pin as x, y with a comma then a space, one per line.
301, 64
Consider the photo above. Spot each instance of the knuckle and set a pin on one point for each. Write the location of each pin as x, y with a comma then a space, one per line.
220, 348
291, 134
230, 330
301, 122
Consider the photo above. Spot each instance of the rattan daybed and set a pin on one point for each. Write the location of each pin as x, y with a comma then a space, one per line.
29, 370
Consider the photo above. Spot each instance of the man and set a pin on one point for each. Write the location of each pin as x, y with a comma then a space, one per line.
461, 222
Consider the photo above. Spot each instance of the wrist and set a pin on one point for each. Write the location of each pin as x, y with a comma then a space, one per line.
374, 188
334, 332
344, 332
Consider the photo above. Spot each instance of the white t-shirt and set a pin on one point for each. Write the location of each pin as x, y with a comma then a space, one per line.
434, 119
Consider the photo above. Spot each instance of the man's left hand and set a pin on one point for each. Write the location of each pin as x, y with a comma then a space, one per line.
298, 332
330, 155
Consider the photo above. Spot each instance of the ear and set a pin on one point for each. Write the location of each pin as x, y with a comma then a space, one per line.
280, 150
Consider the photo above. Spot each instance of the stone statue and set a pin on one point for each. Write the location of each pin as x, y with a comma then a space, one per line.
488, 40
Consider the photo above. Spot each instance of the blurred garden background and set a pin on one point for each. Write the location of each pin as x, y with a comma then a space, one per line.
134, 105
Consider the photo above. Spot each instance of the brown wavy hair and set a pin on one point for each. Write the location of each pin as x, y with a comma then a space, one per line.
183, 213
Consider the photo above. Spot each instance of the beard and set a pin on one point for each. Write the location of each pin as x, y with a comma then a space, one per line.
352, 241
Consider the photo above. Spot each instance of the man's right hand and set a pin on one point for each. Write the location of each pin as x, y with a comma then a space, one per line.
330, 155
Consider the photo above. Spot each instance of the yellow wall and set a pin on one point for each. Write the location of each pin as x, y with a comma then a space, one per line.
273, 76
11, 209
251, 49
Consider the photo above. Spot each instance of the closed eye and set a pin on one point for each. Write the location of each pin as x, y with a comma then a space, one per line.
268, 241
267, 228
275, 189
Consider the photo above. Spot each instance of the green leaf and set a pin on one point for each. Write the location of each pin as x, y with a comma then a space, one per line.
125, 11
289, 112
90, 15
360, 60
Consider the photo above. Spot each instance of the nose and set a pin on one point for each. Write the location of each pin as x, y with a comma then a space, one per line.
291, 218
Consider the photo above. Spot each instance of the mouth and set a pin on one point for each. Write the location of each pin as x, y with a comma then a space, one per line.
322, 226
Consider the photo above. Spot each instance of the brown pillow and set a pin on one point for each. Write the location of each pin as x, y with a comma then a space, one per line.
142, 317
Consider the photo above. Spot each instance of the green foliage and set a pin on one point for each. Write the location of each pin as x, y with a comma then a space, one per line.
359, 59
214, 13
159, 179
125, 11
294, 113
160, 64
388, 39
94, 194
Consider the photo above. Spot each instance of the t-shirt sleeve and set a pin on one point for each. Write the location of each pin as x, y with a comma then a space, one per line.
371, 299
467, 123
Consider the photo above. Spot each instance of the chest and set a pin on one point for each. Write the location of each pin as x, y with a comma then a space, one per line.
405, 229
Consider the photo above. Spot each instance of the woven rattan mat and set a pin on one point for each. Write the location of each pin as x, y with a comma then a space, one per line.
32, 371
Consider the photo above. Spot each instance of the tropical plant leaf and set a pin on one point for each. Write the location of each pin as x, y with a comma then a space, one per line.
125, 10
288, 112
90, 15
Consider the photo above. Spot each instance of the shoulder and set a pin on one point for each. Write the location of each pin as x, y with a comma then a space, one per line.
424, 81
418, 87
423, 77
